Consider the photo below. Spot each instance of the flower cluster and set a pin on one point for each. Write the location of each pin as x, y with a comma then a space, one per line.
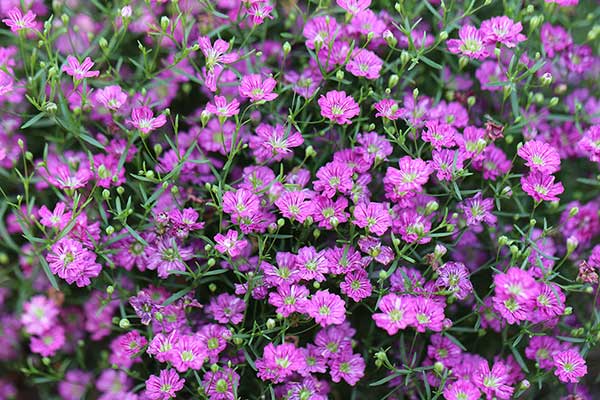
238, 199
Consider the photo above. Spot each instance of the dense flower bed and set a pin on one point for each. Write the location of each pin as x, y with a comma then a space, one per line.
301, 200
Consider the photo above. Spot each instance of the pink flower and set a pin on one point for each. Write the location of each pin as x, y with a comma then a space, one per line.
329, 213
541, 349
71, 261
143, 119
514, 292
258, 11
164, 386
354, 7
56, 219
454, 277
541, 186
111, 97
494, 382
411, 176
471, 43
590, 143
326, 308
295, 205
257, 89
338, 107
502, 30
279, 362
540, 156
461, 390
78, 70
349, 367
274, 143
427, 314
396, 313
16, 21
364, 63
439, 134
167, 257
570, 366
356, 285
478, 210
227, 308
49, 342
333, 177
189, 352
373, 216
223, 109
447, 163
39, 315
216, 54
229, 243
388, 108
289, 299
320, 31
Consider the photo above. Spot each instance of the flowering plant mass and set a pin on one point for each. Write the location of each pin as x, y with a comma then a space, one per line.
299, 199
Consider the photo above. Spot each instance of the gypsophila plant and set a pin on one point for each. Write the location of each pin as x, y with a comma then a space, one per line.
299, 199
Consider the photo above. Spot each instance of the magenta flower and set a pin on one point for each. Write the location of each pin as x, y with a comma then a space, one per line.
143, 119
461, 390
112, 97
396, 313
189, 352
295, 205
502, 30
222, 384
354, 7
454, 277
411, 176
326, 308
338, 107
217, 53
279, 362
164, 386
364, 63
72, 262
478, 210
329, 213
388, 108
80, 71
541, 349
16, 21
320, 31
349, 367
356, 285
570, 366
333, 177
49, 342
427, 314
167, 257
375, 217
540, 156
590, 143
289, 299
274, 143
227, 308
439, 134
230, 244
39, 315
514, 295
494, 382
471, 43
223, 109
541, 186
258, 11
56, 219
257, 89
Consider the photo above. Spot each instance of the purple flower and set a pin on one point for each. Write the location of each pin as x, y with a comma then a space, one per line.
540, 157
257, 89
78, 70
326, 308
338, 107
570, 366
372, 216
279, 362
164, 386
471, 43
230, 244
349, 367
227, 308
541, 186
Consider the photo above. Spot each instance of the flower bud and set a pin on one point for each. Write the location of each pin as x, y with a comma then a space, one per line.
463, 62
211, 262
438, 367
572, 244
553, 101
339, 75
271, 323
404, 57
546, 79
126, 12
443, 35
393, 81
390, 39
124, 323
110, 289
316, 285
212, 287
164, 22
383, 274
109, 230
50, 107
524, 384
287, 47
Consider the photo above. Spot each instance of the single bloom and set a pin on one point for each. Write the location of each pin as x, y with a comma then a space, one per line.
540, 156
256, 89
16, 21
570, 366
338, 107
471, 43
164, 386
326, 308
79, 70
541, 186
143, 119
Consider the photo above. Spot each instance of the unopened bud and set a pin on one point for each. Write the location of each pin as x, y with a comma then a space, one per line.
390, 39
393, 81
287, 47
271, 323
339, 75
124, 323
546, 79
164, 22
443, 35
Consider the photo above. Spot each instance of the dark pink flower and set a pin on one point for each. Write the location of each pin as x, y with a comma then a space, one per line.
541, 186
471, 43
338, 107
279, 362
229, 243
354, 7
502, 30
570, 366
540, 156
16, 21
364, 63
375, 217
223, 109
326, 308
164, 386
396, 313
143, 119
257, 89
78, 70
